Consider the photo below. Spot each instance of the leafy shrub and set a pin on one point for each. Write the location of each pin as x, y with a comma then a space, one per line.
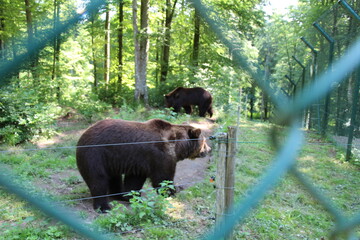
147, 209
23, 116
87, 104
46, 233
165, 114
156, 95
128, 112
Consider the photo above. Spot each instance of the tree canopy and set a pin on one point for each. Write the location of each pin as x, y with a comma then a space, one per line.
137, 50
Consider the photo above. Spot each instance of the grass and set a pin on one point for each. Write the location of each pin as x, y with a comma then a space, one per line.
287, 212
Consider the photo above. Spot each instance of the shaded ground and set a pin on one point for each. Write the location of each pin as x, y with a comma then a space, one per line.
68, 183
342, 141
189, 172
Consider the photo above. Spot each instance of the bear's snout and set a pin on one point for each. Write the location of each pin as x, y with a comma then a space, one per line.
205, 150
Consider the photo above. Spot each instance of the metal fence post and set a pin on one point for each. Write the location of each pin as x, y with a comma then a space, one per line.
354, 109
302, 87
331, 57
313, 73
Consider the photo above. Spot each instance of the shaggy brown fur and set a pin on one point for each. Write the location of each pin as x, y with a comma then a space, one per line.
136, 150
188, 97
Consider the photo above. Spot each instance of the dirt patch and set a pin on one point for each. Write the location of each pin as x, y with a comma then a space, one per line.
58, 138
342, 141
190, 172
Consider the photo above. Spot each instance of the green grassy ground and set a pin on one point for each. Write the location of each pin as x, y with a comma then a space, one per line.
287, 212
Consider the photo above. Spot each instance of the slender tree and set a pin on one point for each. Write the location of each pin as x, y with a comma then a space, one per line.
2, 30
196, 40
56, 45
107, 47
31, 36
141, 41
92, 19
169, 14
252, 99
264, 98
120, 44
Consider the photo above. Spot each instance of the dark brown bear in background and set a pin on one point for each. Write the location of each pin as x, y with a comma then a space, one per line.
187, 97
149, 150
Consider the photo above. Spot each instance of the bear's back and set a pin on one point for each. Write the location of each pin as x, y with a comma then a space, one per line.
110, 131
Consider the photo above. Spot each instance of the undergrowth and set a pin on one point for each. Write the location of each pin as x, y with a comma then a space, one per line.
147, 206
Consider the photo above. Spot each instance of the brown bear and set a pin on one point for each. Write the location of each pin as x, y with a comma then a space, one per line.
138, 150
186, 97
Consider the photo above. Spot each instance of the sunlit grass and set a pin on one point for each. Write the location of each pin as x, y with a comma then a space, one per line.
289, 211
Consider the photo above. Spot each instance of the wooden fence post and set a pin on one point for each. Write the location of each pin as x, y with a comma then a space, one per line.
230, 168
220, 176
225, 174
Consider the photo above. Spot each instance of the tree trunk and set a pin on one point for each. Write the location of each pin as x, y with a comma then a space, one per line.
120, 44
29, 23
166, 47
141, 42
93, 51
196, 42
252, 100
31, 38
57, 42
107, 48
264, 98
2, 30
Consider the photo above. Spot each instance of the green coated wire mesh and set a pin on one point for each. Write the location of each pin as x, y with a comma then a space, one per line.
315, 82
316, 89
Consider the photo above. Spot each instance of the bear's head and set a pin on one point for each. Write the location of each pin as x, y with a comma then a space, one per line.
190, 143
172, 97
180, 141
169, 100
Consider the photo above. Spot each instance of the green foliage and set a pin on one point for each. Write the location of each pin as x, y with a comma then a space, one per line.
149, 209
165, 114
87, 104
23, 116
35, 233
162, 233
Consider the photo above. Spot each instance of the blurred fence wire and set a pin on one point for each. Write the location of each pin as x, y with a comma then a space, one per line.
319, 70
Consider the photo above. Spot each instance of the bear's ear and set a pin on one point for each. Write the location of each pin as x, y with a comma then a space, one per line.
194, 133
159, 124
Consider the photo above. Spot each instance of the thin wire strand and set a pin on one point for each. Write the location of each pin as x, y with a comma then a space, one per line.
124, 193
164, 141
101, 145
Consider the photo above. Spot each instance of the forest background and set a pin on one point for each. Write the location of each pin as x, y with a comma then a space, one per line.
131, 53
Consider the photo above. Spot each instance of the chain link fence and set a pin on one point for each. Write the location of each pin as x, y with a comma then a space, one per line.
331, 57
326, 41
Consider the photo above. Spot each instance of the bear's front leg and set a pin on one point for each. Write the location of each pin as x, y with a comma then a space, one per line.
99, 192
116, 187
166, 173
132, 183
188, 109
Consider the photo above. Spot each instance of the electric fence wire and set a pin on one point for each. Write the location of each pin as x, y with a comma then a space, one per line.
154, 142
134, 230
